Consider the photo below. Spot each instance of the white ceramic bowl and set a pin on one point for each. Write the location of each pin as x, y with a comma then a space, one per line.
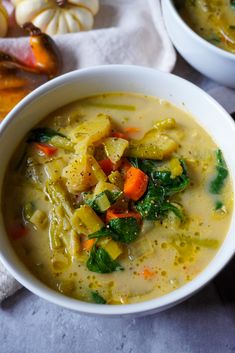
87, 82
211, 61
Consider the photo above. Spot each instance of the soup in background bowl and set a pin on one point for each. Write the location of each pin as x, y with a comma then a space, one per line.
79, 233
213, 20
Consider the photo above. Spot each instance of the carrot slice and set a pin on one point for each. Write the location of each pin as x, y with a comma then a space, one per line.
46, 149
148, 273
135, 184
88, 244
112, 214
130, 130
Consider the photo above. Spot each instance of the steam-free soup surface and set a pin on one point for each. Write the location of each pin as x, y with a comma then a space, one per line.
118, 198
213, 20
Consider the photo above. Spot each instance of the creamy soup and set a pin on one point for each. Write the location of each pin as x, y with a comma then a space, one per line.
118, 198
213, 20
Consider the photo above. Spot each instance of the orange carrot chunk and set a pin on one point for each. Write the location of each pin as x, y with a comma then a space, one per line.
46, 149
135, 184
112, 214
148, 273
130, 130
88, 244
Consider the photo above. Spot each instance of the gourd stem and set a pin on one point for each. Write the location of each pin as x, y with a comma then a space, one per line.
33, 30
61, 3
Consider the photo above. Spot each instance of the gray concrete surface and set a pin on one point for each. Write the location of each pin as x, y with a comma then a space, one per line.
203, 324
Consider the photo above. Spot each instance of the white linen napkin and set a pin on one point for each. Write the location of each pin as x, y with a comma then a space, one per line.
125, 32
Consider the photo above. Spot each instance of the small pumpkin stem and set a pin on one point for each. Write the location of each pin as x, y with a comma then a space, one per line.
33, 30
61, 3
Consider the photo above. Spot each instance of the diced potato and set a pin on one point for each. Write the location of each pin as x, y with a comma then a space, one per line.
79, 175
165, 124
89, 219
115, 148
54, 169
175, 167
153, 145
103, 186
113, 249
116, 178
39, 219
95, 129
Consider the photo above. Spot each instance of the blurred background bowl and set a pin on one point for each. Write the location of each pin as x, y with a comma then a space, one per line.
211, 61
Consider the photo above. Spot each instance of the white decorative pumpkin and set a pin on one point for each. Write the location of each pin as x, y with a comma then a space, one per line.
3, 20
57, 16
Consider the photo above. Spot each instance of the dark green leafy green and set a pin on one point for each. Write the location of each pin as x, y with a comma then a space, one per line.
217, 183
126, 229
218, 205
99, 261
155, 204
232, 4
97, 298
43, 135
104, 233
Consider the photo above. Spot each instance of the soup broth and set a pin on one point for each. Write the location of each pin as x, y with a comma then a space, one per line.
118, 198
213, 20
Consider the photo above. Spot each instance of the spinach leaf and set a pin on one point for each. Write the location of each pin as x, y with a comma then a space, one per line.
126, 229
218, 205
43, 135
217, 183
146, 165
97, 298
232, 4
149, 207
99, 261
177, 210
104, 233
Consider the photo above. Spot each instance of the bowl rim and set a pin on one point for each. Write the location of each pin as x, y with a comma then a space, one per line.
197, 37
178, 295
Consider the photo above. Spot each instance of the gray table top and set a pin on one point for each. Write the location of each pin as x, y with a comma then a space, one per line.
203, 324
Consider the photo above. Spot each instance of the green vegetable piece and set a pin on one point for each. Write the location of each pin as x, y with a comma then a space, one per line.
218, 205
126, 229
43, 135
103, 233
232, 4
102, 201
97, 298
217, 183
99, 261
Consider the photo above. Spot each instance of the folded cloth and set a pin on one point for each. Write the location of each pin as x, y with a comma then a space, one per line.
125, 32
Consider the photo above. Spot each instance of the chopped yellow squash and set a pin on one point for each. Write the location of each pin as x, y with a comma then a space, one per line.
175, 167
154, 145
116, 178
103, 186
89, 219
54, 168
113, 249
115, 148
